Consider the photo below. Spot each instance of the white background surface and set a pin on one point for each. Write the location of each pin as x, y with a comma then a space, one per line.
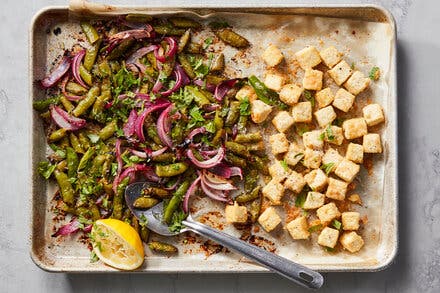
417, 267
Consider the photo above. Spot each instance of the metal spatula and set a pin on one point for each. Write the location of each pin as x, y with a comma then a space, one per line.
286, 268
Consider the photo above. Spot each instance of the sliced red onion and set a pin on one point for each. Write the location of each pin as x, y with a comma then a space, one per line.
88, 228
181, 80
158, 85
130, 172
70, 228
201, 83
65, 120
129, 127
140, 53
234, 131
149, 153
76, 63
174, 186
150, 175
227, 171
63, 91
56, 74
217, 183
163, 127
159, 54
223, 88
192, 188
214, 161
144, 97
172, 47
139, 127
212, 193
130, 34
196, 131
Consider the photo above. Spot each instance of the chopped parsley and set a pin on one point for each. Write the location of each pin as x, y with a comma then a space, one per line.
93, 137
207, 43
300, 200
93, 257
215, 25
327, 167
329, 133
315, 228
285, 166
176, 221
374, 73
309, 97
210, 127
336, 224
196, 116
46, 169
245, 107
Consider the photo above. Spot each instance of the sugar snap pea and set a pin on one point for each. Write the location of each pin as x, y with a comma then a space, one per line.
135, 17
233, 113
175, 201
183, 22
184, 39
91, 54
90, 32
75, 143
171, 169
86, 158
232, 38
248, 137
255, 209
118, 199
66, 103
186, 65
85, 75
87, 102
108, 130
145, 202
72, 162
237, 148
57, 135
265, 94
66, 189
162, 247
248, 196
74, 88
43, 105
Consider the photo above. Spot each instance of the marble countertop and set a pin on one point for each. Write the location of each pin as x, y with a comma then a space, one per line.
417, 266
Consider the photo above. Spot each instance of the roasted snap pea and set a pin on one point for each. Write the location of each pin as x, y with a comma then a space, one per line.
94, 210
86, 158
98, 106
156, 192
235, 160
218, 63
61, 166
165, 158
194, 48
242, 123
90, 32
183, 41
72, 162
237, 148
168, 29
250, 180
57, 135
118, 199
233, 113
255, 209
186, 65
144, 202
199, 97
232, 38
66, 103
87, 102
43, 105
183, 22
98, 161
248, 137
144, 233
162, 247
260, 165
265, 94
120, 49
64, 142
76, 89
85, 75
175, 201
84, 140
214, 79
248, 196
171, 169
134, 17
104, 69
66, 189
256, 147
75, 143
91, 54
108, 130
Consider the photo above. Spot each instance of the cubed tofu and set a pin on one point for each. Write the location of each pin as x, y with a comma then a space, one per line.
279, 171
302, 112
343, 100
373, 114
347, 170
294, 154
282, 121
314, 200
274, 81
316, 179
351, 241
290, 94
272, 56
273, 191
308, 57
328, 212
246, 92
313, 139
372, 144
341, 72
354, 128
324, 97
295, 182
336, 189
312, 79
328, 237
260, 111
298, 228
355, 153
312, 158
278, 143
325, 116
330, 56
336, 137
350, 220
333, 157
269, 219
357, 83
236, 214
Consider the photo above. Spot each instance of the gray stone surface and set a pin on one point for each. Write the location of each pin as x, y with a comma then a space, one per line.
417, 267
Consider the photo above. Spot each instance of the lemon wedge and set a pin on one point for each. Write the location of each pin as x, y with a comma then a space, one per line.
117, 244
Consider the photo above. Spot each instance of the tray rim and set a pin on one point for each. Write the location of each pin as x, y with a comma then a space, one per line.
381, 265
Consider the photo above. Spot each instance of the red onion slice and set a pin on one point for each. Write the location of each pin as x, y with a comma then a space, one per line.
63, 91
163, 127
76, 63
139, 127
214, 161
196, 131
140, 53
201, 83
217, 185
172, 48
192, 188
130, 34
222, 89
64, 120
212, 193
226, 171
149, 153
70, 228
56, 74
129, 127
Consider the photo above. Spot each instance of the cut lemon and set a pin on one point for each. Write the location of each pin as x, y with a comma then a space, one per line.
117, 244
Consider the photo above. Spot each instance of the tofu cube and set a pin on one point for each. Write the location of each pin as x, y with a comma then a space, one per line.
236, 214
332, 156
341, 72
272, 56
278, 143
337, 137
274, 81
302, 112
273, 191
357, 83
294, 154
246, 92
336, 189
355, 153
312, 158
347, 170
350, 220
328, 212
260, 111
298, 228
282, 121
312, 79
373, 114
316, 179
330, 56
308, 57
372, 144
325, 116
314, 200
354, 128
312, 139
290, 94
295, 182
328, 237
351, 241
269, 219
343, 100
278, 171
324, 97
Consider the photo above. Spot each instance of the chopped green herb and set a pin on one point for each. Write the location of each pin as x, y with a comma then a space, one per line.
215, 25
46, 169
300, 200
245, 107
207, 43
327, 167
143, 221
315, 228
93, 257
176, 222
329, 249
329, 133
338, 121
322, 136
196, 116
374, 73
353, 66
336, 224
301, 129
210, 127
285, 166
309, 97
93, 137
114, 169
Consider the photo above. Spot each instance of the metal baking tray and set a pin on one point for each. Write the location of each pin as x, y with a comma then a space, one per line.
301, 22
